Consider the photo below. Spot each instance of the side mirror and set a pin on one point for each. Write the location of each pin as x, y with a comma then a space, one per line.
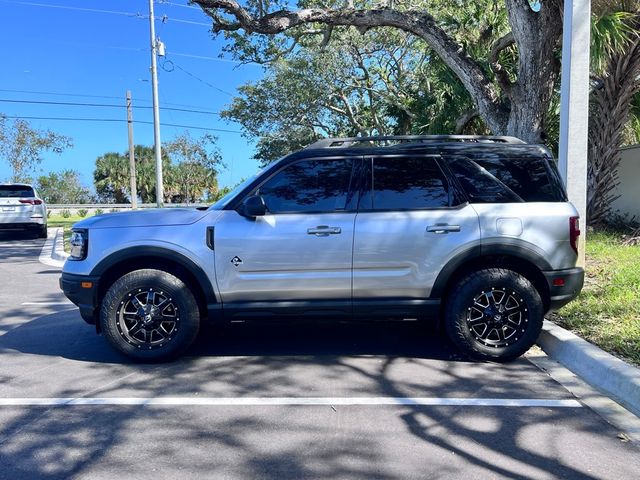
253, 206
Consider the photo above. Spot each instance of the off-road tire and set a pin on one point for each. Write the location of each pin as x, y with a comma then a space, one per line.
172, 326
484, 330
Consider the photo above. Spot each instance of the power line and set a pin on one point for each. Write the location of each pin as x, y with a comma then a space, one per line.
142, 16
108, 105
215, 59
69, 7
144, 50
174, 64
164, 2
112, 120
112, 97
57, 93
165, 19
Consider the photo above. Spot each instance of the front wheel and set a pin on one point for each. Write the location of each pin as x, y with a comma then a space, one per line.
149, 315
494, 314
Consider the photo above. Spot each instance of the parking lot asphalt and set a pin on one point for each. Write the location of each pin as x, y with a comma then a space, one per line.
285, 401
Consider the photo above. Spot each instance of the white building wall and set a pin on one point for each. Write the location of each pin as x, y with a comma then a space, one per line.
629, 188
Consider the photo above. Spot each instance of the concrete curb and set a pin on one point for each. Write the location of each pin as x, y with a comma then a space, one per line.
609, 374
57, 252
53, 253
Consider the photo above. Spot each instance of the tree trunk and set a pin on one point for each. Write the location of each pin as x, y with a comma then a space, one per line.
610, 107
536, 35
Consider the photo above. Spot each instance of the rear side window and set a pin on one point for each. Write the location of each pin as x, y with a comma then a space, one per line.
505, 180
309, 186
405, 183
16, 191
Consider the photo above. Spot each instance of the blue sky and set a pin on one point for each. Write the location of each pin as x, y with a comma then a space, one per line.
97, 56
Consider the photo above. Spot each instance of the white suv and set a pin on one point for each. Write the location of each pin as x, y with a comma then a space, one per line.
22, 208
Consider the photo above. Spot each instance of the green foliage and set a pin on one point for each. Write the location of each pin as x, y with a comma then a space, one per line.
66, 213
111, 175
21, 146
384, 81
220, 193
194, 176
63, 188
607, 311
82, 212
610, 32
98, 211
189, 166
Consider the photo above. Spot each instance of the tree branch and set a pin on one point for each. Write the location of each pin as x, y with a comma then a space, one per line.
464, 120
417, 22
501, 75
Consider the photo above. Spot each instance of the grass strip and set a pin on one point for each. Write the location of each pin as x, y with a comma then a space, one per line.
607, 312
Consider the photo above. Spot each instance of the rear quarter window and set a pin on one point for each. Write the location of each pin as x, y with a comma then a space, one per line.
494, 179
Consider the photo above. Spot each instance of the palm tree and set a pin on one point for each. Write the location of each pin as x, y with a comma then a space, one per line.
111, 177
616, 69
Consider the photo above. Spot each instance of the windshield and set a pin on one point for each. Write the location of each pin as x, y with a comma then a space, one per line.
220, 204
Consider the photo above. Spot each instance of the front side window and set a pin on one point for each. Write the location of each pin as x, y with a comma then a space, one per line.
309, 186
405, 183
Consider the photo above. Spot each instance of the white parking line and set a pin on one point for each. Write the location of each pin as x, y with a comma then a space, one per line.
294, 401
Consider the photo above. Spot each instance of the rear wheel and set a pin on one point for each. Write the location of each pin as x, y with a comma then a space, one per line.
42, 231
494, 314
149, 315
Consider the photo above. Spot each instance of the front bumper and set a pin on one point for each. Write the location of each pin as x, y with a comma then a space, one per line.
572, 280
76, 288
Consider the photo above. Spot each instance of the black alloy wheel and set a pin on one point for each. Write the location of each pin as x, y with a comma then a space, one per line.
494, 314
149, 315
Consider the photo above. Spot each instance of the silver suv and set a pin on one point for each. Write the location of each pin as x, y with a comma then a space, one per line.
22, 208
475, 232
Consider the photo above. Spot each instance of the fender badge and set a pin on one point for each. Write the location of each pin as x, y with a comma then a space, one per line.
236, 261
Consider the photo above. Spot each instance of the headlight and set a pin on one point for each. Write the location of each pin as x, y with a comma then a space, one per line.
78, 244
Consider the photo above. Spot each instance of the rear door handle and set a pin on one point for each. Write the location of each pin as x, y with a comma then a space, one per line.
324, 230
442, 228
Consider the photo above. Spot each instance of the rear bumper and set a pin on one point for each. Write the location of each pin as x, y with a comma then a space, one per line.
28, 225
572, 280
76, 289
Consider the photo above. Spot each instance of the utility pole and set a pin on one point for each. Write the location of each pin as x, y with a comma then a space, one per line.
574, 108
156, 109
132, 158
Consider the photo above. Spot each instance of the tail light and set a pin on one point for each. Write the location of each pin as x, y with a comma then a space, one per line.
31, 201
574, 232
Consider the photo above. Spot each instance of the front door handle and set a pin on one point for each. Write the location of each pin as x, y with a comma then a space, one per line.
442, 228
324, 230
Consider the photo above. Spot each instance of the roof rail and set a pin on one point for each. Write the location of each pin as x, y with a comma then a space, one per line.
345, 142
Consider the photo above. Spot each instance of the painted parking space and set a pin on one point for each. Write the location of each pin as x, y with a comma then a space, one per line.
285, 400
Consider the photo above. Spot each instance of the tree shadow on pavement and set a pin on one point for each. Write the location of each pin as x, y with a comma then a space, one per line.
65, 334
286, 442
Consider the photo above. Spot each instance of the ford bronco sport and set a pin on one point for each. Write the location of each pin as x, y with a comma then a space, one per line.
476, 232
